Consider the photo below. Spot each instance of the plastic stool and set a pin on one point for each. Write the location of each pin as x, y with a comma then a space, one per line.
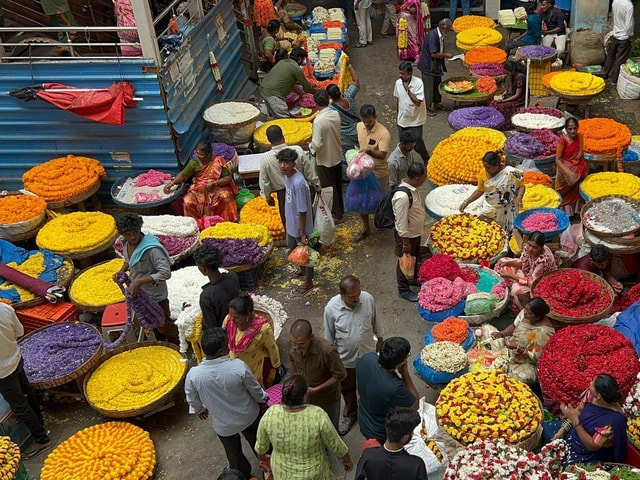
114, 319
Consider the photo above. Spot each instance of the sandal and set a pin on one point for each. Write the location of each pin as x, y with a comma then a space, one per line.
300, 292
296, 275
360, 45
36, 449
345, 425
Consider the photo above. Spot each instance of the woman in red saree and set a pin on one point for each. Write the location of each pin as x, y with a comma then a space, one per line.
571, 167
410, 30
212, 191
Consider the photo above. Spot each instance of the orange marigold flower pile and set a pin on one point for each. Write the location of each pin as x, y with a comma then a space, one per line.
604, 136
537, 178
485, 55
20, 208
486, 85
453, 329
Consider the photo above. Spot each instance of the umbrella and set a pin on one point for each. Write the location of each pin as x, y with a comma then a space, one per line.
47, 290
105, 105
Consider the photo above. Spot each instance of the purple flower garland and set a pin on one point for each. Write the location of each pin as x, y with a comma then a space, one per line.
523, 145
488, 117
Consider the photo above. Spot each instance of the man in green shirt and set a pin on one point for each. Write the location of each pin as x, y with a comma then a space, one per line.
60, 14
281, 79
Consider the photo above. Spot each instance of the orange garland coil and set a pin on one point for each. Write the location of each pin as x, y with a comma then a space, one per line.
485, 55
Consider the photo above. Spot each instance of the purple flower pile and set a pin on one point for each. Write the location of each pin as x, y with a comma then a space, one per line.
223, 150
523, 145
237, 251
487, 68
537, 51
476, 117
58, 350
548, 139
554, 112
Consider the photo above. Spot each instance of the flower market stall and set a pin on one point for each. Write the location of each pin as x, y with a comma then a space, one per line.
613, 221
478, 37
600, 184
440, 362
537, 145
467, 91
550, 221
143, 190
446, 200
605, 141
576, 88
486, 55
540, 196
21, 215
296, 132
94, 288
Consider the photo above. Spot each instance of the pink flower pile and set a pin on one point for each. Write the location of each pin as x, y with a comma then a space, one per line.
307, 101
210, 221
548, 139
142, 197
541, 222
440, 294
500, 289
152, 178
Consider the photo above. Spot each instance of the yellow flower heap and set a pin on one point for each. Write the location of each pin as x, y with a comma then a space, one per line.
32, 266
577, 84
258, 211
539, 196
633, 430
460, 24
458, 158
488, 404
135, 379
108, 451
467, 237
478, 37
611, 183
77, 232
95, 286
236, 230
9, 458
295, 131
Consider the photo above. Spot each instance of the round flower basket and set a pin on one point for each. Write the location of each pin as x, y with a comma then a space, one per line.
431, 316
573, 279
95, 250
267, 249
466, 344
163, 400
566, 96
76, 199
86, 307
222, 117
78, 372
492, 260
471, 97
121, 188
611, 216
487, 117
445, 200
435, 377
521, 55
8, 231
64, 274
561, 216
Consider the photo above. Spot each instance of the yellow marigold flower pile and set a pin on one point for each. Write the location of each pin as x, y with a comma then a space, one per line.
539, 196
633, 430
108, 451
467, 237
20, 208
95, 286
9, 458
260, 212
546, 79
63, 178
576, 83
32, 266
611, 183
478, 37
513, 246
604, 136
488, 404
458, 158
295, 132
136, 378
466, 22
238, 230
77, 232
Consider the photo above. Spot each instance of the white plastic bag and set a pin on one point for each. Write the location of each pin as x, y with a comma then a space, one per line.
529, 165
417, 445
323, 221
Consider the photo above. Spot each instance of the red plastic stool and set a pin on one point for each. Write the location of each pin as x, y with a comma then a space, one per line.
114, 319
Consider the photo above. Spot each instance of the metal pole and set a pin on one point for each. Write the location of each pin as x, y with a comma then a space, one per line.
146, 31
526, 90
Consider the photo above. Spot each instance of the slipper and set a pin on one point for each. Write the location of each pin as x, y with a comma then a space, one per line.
359, 45
300, 292
34, 451
296, 275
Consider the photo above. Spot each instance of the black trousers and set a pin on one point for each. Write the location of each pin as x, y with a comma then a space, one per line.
233, 448
332, 177
403, 282
617, 54
420, 147
431, 90
24, 402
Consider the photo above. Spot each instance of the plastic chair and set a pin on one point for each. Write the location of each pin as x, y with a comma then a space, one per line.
114, 320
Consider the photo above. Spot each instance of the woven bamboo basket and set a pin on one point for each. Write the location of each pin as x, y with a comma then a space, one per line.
470, 97
14, 229
81, 306
615, 248
578, 98
64, 275
267, 249
95, 250
614, 236
578, 320
232, 133
77, 373
76, 199
20, 237
156, 404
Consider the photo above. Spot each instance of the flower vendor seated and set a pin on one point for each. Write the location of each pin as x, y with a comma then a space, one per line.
268, 45
148, 265
598, 431
212, 191
502, 188
571, 167
599, 261
525, 339
536, 260
251, 339
514, 92
301, 436
533, 33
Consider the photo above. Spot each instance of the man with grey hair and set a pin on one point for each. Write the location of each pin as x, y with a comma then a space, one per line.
431, 64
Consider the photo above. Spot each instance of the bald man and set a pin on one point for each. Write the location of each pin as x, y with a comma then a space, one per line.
319, 362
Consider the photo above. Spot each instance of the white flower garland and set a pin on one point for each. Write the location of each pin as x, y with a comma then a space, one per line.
444, 356
170, 225
185, 286
274, 308
185, 323
537, 121
631, 404
446, 200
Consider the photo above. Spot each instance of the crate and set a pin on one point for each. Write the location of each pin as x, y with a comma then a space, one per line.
536, 72
46, 314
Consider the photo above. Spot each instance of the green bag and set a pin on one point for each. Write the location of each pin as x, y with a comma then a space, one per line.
480, 304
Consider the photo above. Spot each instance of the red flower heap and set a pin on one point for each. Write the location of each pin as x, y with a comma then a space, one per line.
577, 353
439, 265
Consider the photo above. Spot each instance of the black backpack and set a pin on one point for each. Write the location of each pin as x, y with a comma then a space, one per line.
384, 217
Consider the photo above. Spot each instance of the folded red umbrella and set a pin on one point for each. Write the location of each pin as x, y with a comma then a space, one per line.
43, 289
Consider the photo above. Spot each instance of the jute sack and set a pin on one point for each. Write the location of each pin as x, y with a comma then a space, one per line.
586, 48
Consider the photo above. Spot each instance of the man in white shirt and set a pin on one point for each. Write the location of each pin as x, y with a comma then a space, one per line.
412, 109
623, 29
327, 146
409, 224
350, 323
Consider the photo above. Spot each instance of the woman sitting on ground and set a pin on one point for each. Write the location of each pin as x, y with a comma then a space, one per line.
514, 92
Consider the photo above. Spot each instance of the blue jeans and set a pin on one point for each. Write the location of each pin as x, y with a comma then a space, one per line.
453, 7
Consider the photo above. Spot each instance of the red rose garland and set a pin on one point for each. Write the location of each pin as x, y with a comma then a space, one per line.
625, 300
439, 265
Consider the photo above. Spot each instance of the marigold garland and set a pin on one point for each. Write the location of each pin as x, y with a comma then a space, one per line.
537, 178
263, 12
466, 22
235, 230
77, 232
486, 85
20, 208
478, 37
599, 184
539, 196
258, 211
63, 178
295, 132
604, 136
458, 158
453, 329
96, 287
468, 238
546, 79
109, 451
485, 55
578, 84
10, 453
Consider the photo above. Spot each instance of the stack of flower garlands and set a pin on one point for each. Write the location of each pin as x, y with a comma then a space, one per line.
296, 132
260, 212
576, 354
439, 362
611, 183
77, 232
546, 79
488, 117
95, 286
540, 196
488, 405
458, 158
134, 379
468, 238
486, 68
537, 52
603, 136
20, 208
537, 144
478, 37
111, 450
63, 178
446, 200
577, 84
537, 120
235, 230
10, 454
485, 55
466, 22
